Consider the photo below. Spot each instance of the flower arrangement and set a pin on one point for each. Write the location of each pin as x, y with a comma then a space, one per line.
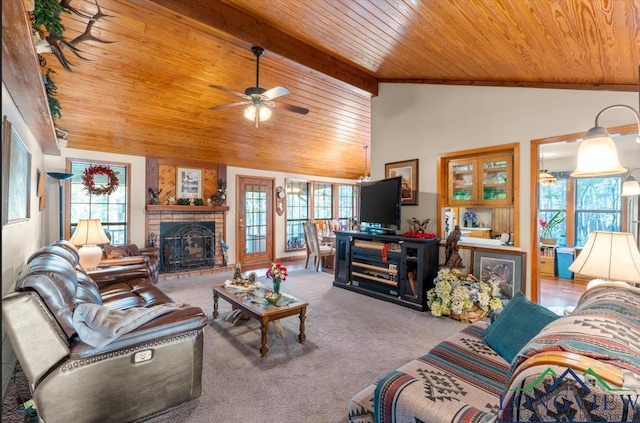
88, 180
278, 273
547, 227
456, 293
471, 216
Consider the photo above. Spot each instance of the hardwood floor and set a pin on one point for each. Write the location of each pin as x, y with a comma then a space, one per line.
559, 292
556, 292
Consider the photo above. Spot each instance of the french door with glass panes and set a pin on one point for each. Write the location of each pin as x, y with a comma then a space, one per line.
255, 221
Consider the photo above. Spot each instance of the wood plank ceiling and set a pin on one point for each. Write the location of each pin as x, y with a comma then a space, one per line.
148, 93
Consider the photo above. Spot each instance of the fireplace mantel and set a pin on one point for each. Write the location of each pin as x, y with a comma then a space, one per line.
186, 209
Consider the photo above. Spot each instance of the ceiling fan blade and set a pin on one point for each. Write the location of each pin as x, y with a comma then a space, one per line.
218, 87
276, 92
224, 106
290, 107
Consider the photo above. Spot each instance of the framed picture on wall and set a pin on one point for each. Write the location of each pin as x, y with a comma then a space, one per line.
408, 170
505, 269
188, 182
16, 176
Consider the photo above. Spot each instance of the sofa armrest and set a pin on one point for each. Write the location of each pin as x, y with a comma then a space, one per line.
127, 270
122, 261
176, 323
569, 360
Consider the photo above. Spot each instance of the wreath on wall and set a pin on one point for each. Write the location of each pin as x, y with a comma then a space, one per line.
88, 180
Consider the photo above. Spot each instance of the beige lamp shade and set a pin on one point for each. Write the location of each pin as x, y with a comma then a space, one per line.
609, 255
630, 187
597, 156
89, 234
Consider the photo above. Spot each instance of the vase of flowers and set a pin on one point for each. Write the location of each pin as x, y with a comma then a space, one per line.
279, 274
470, 219
462, 296
546, 234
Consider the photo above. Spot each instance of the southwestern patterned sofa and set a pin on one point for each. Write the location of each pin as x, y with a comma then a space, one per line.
581, 367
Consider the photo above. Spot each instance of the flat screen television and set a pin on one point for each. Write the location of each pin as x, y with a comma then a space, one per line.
379, 205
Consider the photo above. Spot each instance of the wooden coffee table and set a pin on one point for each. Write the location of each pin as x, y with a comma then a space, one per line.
264, 313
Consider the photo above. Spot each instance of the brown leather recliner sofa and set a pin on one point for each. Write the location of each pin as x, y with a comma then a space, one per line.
131, 254
113, 349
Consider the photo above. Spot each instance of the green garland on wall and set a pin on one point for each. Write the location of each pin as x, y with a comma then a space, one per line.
51, 89
47, 14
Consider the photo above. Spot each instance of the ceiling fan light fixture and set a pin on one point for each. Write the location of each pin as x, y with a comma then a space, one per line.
264, 113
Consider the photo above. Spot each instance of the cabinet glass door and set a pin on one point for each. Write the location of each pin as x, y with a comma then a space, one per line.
496, 179
461, 177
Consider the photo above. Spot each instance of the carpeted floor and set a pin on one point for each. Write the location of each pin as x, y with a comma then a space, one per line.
352, 340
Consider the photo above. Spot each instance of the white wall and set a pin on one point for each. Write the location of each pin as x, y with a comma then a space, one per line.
20, 239
421, 121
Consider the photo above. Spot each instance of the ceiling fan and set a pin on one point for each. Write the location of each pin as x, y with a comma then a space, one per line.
260, 100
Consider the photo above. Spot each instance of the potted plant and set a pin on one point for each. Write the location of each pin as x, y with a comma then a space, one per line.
546, 234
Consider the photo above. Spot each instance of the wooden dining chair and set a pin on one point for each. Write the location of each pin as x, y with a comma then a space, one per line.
314, 248
334, 225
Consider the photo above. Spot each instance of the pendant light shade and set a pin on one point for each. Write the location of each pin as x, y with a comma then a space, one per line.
365, 177
544, 177
631, 185
597, 155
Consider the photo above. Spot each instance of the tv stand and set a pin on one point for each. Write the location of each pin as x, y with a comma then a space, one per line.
388, 267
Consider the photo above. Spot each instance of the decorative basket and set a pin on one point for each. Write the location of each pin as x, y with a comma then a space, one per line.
470, 316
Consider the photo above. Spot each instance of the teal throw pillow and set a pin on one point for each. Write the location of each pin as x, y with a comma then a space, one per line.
517, 324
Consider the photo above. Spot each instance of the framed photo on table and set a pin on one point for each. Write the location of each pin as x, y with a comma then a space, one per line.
16, 176
188, 182
505, 269
408, 170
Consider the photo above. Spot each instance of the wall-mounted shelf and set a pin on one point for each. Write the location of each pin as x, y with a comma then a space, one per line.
180, 208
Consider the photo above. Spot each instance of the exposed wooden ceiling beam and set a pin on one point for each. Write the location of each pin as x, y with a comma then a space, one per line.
520, 84
232, 22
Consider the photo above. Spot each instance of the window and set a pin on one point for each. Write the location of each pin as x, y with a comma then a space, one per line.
553, 199
323, 201
112, 210
328, 201
598, 206
347, 200
297, 212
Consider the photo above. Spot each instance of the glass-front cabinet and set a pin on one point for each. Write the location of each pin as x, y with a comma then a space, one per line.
482, 180
496, 180
462, 179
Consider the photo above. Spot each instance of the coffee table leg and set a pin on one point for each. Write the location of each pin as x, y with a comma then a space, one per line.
302, 337
215, 304
264, 349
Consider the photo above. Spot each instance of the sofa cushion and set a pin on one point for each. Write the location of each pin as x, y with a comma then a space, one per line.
517, 324
111, 251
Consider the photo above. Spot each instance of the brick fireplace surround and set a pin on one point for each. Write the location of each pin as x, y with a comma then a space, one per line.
157, 214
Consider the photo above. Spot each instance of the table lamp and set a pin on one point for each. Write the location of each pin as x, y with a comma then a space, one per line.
88, 235
613, 256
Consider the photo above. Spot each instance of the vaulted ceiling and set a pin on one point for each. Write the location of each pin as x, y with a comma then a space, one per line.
149, 92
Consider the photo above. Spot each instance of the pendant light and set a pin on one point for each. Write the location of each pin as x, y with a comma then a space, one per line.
597, 155
631, 185
365, 177
545, 178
